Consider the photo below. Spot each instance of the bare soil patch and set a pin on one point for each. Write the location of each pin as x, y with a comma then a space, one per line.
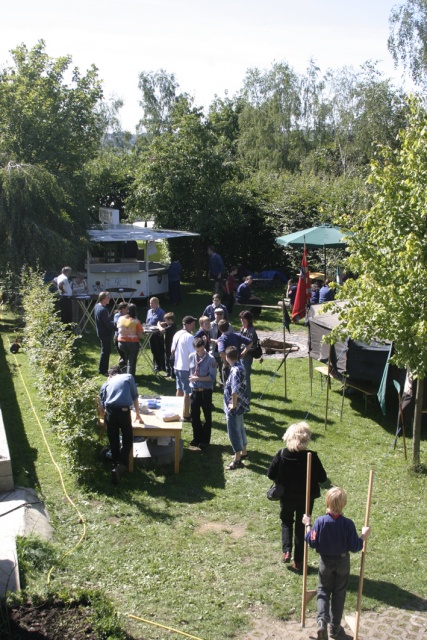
236, 531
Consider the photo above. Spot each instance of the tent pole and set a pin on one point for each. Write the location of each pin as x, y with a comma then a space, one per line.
403, 426
324, 250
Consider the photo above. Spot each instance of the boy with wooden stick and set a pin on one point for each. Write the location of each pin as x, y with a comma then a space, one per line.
333, 536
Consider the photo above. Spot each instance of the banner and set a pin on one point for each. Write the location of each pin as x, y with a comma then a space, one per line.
303, 294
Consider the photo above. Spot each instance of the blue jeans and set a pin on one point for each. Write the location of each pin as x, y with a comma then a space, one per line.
332, 587
182, 381
236, 432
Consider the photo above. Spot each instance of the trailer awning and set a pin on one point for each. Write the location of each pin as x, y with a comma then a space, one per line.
127, 232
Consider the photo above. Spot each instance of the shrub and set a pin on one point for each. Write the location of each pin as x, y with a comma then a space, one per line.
68, 395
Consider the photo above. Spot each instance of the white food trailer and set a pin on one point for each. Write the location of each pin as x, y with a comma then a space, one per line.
119, 257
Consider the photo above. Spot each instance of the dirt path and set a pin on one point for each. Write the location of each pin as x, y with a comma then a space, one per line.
390, 624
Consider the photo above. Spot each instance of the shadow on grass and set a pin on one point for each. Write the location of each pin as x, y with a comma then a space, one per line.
23, 456
201, 474
388, 593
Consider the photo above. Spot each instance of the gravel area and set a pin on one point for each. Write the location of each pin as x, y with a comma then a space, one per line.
297, 338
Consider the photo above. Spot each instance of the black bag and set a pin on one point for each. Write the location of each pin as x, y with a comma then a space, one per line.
256, 349
257, 352
276, 491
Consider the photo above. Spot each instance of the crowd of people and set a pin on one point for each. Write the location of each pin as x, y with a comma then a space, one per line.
197, 359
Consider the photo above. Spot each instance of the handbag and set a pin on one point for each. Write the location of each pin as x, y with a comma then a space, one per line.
276, 491
256, 352
256, 349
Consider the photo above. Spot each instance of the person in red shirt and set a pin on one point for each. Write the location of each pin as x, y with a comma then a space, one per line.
229, 286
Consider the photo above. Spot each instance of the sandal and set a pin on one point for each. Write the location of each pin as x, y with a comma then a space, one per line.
234, 464
243, 456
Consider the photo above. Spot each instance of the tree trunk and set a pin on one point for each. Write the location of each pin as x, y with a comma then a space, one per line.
418, 414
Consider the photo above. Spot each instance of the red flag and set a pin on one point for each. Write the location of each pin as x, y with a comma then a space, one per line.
303, 294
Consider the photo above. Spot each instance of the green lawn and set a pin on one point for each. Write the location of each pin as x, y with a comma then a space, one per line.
197, 551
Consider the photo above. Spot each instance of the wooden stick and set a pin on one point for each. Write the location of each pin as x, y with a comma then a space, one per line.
310, 373
354, 622
260, 306
304, 567
328, 384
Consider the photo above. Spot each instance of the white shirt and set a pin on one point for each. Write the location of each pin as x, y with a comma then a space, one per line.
65, 289
182, 346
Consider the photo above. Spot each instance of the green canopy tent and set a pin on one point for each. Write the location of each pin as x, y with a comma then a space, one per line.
325, 235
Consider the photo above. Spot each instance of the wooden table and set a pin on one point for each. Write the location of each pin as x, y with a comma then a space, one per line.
155, 427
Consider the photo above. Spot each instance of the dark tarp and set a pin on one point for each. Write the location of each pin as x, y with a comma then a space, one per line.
360, 362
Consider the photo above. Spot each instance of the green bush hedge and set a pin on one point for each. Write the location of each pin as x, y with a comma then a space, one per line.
69, 396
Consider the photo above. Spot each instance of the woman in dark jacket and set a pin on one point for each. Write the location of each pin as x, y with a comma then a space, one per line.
289, 468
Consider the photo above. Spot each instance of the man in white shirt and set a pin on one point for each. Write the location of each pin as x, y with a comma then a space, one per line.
65, 291
182, 347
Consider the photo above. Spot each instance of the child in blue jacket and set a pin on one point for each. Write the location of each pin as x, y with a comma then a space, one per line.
333, 536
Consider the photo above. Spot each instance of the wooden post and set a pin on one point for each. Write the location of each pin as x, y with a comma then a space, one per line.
328, 384
354, 621
306, 595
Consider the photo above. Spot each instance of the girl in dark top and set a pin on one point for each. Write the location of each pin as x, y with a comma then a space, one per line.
248, 330
289, 468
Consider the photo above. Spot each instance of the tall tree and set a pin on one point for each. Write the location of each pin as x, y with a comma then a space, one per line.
187, 178
269, 135
388, 301
35, 226
50, 126
407, 42
43, 119
363, 109
159, 96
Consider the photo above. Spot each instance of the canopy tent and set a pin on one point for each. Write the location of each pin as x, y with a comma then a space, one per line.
358, 361
361, 366
325, 235
128, 232
357, 365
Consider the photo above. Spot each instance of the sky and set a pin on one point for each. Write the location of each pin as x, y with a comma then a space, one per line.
208, 45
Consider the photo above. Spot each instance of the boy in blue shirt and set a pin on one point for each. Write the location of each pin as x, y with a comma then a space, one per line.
236, 404
333, 536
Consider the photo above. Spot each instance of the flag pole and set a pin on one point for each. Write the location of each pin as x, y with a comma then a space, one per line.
284, 343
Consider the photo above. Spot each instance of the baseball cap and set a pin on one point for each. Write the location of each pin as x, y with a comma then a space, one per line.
188, 320
218, 311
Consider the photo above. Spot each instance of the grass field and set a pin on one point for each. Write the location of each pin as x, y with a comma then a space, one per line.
200, 551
